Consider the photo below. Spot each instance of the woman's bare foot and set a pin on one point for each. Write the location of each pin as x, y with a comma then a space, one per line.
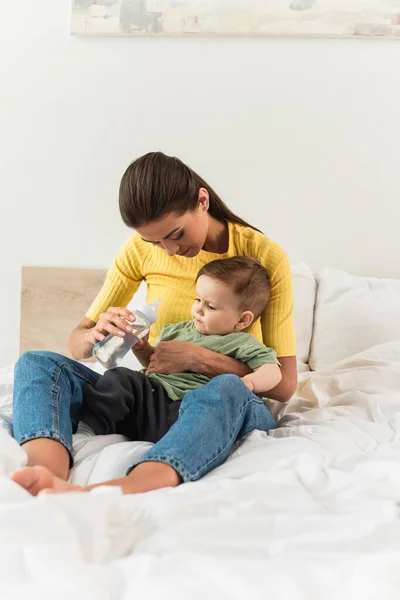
145, 477
39, 480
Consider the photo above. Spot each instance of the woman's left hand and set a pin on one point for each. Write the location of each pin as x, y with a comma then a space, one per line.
173, 357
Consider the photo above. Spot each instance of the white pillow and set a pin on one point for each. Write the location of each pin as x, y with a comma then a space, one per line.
352, 314
304, 291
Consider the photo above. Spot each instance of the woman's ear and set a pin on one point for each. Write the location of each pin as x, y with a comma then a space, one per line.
204, 199
245, 320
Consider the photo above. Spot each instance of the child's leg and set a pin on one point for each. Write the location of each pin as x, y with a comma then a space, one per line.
46, 405
129, 403
211, 419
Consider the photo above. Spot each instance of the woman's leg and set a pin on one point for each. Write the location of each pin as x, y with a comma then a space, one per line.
46, 407
211, 419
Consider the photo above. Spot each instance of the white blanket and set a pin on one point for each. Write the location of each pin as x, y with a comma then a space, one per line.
310, 511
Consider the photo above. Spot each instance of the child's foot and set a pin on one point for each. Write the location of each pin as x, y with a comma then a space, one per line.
39, 480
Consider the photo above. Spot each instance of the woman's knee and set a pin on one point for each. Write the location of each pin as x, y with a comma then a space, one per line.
223, 389
226, 385
26, 360
32, 359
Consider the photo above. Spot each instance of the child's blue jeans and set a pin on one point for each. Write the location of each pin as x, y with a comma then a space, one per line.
48, 400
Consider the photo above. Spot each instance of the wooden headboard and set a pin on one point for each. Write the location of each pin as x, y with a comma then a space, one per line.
53, 302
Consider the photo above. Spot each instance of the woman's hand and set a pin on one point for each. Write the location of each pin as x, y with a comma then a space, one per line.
117, 321
173, 357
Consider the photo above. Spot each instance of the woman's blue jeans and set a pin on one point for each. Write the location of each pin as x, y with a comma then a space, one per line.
48, 400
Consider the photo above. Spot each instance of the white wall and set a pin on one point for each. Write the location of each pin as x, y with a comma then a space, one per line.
301, 137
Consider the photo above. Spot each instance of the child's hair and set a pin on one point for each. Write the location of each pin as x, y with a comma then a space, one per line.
249, 280
155, 185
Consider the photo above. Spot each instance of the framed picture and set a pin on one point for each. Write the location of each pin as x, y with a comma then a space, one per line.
334, 18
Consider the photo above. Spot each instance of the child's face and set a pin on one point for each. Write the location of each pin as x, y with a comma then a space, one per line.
216, 309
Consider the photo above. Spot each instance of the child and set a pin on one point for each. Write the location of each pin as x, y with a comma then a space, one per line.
213, 414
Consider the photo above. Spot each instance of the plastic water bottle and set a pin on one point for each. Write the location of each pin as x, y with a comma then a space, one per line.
112, 350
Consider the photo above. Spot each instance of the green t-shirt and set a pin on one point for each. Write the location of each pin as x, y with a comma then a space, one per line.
242, 346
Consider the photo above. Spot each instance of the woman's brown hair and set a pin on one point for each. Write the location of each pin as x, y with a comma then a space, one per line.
155, 185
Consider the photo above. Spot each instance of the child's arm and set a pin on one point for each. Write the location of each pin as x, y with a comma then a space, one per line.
143, 350
265, 378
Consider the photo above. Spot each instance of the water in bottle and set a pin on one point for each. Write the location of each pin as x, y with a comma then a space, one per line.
112, 350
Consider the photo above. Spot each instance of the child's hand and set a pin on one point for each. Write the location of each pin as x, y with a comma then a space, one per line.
248, 383
141, 344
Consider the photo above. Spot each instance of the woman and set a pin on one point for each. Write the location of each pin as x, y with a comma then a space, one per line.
181, 224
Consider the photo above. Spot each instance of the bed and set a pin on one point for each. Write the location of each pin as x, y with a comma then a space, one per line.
309, 511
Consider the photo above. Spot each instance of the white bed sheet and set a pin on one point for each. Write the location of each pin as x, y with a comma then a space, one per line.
310, 511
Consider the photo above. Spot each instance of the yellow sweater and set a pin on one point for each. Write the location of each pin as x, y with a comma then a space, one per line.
173, 280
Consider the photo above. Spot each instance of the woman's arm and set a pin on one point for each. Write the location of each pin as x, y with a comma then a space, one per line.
287, 386
178, 357
202, 360
117, 320
277, 320
80, 342
213, 364
122, 281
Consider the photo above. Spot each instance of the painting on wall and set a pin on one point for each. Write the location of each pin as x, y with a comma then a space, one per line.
376, 18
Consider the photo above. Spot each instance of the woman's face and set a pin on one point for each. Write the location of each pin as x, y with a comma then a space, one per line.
184, 235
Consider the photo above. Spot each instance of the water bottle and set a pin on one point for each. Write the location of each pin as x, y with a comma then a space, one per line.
112, 350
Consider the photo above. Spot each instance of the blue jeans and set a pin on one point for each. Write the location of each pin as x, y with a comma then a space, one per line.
48, 400
47, 397
211, 419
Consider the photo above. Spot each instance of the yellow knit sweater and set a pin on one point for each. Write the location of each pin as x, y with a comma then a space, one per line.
173, 280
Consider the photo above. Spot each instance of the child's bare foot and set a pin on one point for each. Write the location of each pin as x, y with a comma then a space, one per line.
39, 480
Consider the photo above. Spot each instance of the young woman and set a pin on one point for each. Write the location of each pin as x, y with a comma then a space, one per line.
181, 224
